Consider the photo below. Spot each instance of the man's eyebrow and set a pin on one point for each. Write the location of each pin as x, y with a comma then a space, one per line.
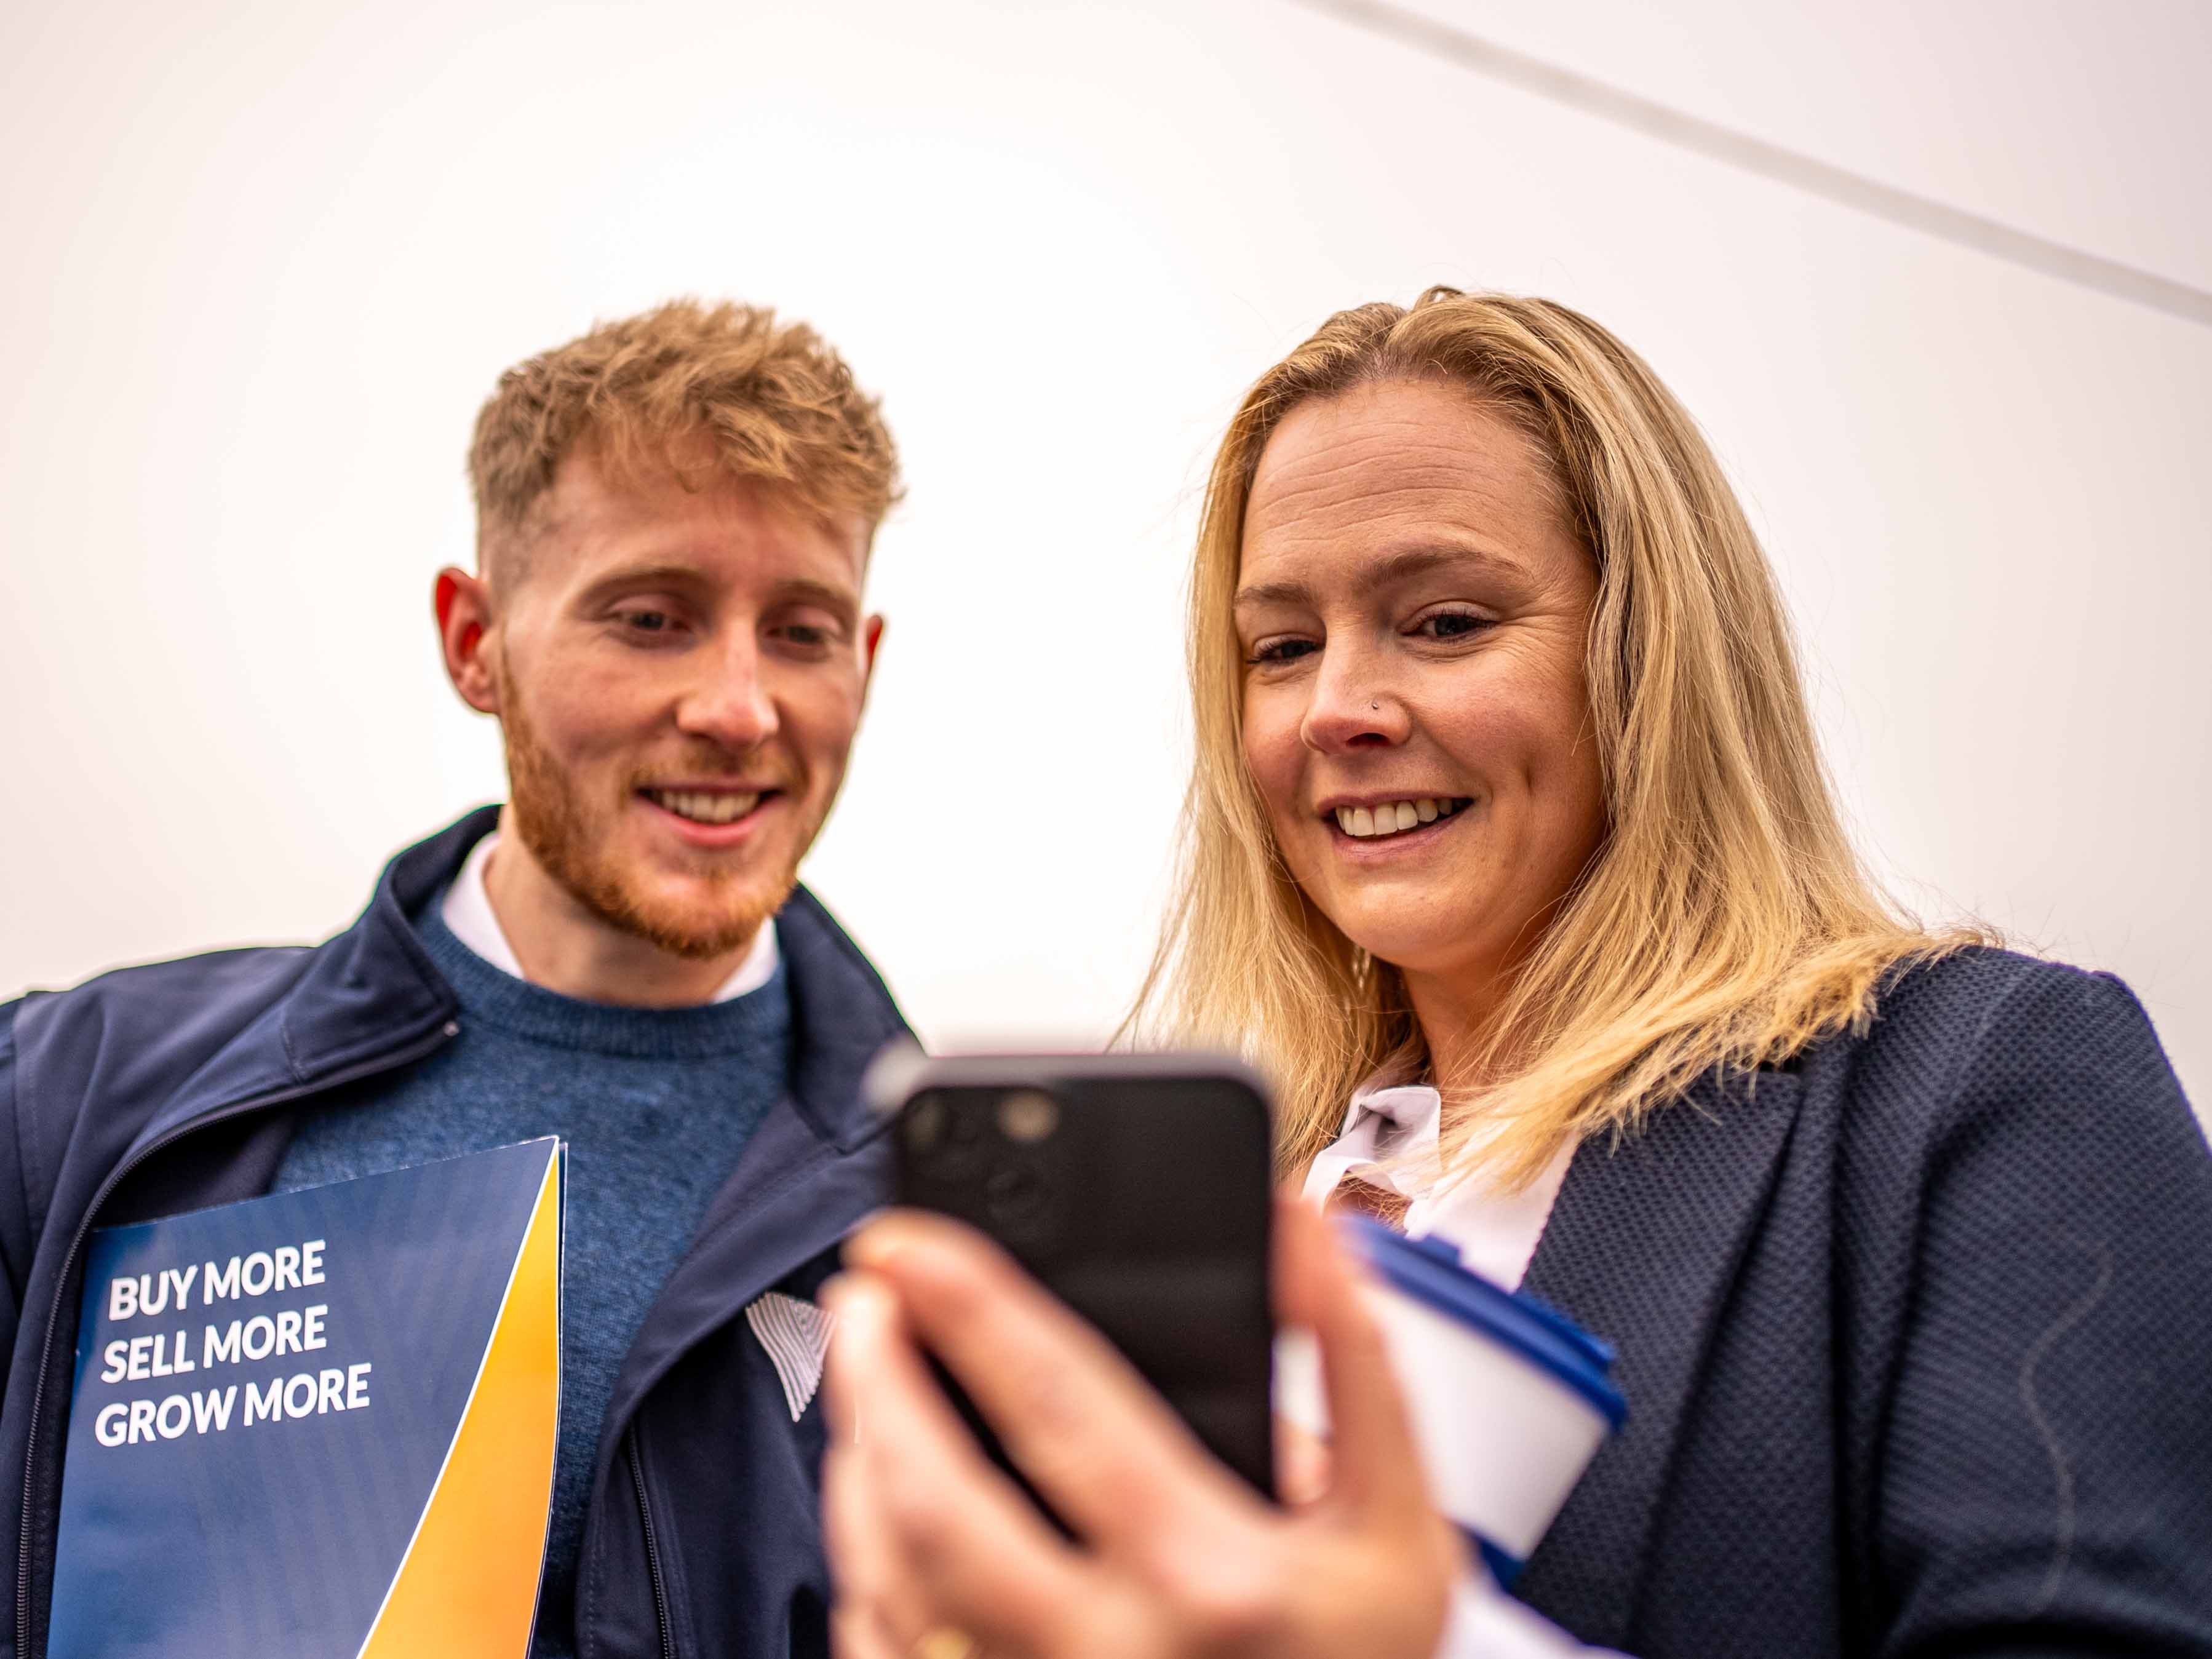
1392, 568
674, 573
806, 590
646, 573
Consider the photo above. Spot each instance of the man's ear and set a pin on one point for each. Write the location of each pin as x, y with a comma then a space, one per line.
465, 622
871, 639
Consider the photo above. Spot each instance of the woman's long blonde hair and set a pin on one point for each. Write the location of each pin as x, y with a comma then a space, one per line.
1726, 920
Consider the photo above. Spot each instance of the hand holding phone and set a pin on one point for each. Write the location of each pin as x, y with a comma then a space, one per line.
1170, 1554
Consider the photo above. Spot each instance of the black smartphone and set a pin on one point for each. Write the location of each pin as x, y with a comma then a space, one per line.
1137, 1189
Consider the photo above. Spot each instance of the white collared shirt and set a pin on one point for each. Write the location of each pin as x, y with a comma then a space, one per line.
467, 910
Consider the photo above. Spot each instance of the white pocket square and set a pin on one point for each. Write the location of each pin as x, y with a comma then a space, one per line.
796, 1335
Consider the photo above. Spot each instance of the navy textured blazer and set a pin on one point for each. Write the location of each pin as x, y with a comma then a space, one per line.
1916, 1336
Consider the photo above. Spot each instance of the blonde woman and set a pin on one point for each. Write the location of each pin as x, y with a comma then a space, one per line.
1511, 856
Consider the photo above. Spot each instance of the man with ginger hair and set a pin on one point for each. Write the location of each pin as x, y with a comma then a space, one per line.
674, 518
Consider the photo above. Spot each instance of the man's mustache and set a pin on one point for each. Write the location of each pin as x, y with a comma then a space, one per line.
754, 770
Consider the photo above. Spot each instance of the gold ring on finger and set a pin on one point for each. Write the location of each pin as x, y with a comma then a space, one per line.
944, 1642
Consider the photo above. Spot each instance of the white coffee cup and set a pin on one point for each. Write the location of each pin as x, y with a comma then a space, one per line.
1509, 1398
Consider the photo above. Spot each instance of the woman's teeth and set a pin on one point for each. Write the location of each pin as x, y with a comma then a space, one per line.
702, 807
1393, 817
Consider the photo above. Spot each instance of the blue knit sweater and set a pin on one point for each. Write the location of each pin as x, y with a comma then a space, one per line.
655, 1105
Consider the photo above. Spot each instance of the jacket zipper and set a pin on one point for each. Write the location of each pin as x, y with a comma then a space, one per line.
652, 1552
238, 1109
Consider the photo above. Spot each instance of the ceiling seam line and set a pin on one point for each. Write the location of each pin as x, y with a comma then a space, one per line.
1959, 226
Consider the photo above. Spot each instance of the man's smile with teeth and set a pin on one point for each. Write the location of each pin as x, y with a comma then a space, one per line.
703, 805
1395, 817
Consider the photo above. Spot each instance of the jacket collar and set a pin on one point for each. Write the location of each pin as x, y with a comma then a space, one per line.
1641, 1250
841, 1015
364, 1000
371, 996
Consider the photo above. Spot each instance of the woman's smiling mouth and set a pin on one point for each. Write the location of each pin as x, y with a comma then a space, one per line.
1397, 817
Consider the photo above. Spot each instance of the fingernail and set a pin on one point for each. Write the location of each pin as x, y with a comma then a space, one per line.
845, 1245
888, 1235
859, 1305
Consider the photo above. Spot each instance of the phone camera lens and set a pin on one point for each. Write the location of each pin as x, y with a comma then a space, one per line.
1016, 1196
925, 1123
947, 1133
1028, 1117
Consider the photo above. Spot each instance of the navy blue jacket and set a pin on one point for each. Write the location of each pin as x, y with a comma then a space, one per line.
160, 1089
1917, 1339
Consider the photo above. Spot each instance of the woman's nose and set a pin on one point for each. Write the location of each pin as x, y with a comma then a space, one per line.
1353, 707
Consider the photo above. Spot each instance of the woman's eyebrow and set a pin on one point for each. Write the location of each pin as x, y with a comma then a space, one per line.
1389, 569
1270, 593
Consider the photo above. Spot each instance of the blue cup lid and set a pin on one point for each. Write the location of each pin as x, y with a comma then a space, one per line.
1429, 1270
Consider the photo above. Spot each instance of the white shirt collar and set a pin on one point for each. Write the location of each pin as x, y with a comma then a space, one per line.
1394, 1122
467, 911
1389, 1139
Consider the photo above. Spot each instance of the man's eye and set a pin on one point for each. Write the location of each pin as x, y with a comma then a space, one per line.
648, 622
1281, 651
821, 633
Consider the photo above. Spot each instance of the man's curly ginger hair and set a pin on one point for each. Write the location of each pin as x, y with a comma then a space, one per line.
688, 388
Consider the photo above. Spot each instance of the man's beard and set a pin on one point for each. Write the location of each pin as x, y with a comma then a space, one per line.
553, 823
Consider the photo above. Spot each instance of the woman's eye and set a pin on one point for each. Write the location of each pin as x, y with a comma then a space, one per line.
1451, 625
1280, 651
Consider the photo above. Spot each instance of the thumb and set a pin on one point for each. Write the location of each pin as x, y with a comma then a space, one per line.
1377, 1464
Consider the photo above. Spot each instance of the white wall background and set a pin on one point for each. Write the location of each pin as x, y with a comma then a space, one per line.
265, 257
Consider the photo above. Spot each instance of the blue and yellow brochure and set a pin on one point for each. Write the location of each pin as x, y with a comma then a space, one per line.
319, 1424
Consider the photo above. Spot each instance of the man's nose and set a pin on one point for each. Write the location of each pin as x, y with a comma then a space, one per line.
728, 703
1355, 705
